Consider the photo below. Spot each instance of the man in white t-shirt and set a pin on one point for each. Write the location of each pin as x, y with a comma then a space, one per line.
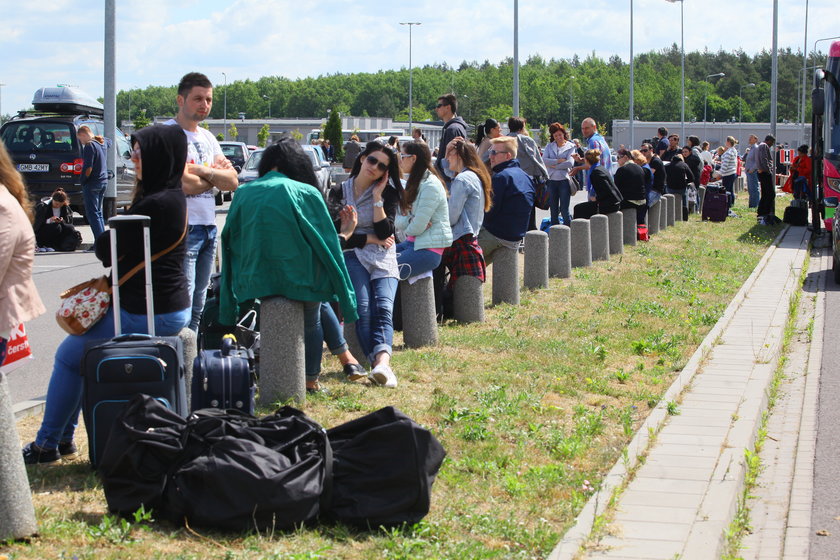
206, 168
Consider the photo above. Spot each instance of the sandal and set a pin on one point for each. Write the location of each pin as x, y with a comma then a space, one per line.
316, 388
355, 372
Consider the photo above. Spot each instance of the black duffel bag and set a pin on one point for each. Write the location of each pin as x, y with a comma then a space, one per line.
220, 469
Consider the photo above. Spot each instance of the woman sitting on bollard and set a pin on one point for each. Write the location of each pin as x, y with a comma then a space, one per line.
423, 215
279, 240
470, 196
607, 197
558, 159
158, 154
54, 229
630, 180
374, 190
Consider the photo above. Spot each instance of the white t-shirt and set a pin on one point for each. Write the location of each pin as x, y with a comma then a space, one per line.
202, 148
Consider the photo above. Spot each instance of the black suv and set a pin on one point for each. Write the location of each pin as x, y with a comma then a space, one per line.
44, 147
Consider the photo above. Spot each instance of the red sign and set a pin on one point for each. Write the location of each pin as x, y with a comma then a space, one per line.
786, 156
17, 351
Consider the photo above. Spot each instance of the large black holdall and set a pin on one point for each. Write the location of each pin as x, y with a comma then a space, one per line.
715, 204
224, 378
116, 370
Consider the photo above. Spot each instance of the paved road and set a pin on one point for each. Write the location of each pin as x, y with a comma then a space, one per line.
826, 505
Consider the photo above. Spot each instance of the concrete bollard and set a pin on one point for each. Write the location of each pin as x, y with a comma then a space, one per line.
629, 230
615, 223
678, 208
17, 515
190, 345
536, 260
353, 344
599, 231
419, 313
468, 300
701, 196
281, 351
581, 243
653, 218
506, 276
560, 255
670, 215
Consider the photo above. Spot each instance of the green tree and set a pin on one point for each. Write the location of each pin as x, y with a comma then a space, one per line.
220, 137
141, 120
262, 136
233, 132
332, 132
204, 125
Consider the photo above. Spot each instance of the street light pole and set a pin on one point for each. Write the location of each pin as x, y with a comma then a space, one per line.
774, 71
515, 58
740, 99
706, 95
682, 64
268, 100
224, 117
632, 83
804, 77
410, 24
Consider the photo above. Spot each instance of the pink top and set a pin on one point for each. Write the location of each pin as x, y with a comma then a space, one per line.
835, 49
412, 238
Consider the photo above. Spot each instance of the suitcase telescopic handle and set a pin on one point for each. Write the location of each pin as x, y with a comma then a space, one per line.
132, 336
228, 344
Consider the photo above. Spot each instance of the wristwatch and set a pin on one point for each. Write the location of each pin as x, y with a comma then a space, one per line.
379, 204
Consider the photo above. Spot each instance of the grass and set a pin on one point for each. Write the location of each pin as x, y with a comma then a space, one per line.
533, 406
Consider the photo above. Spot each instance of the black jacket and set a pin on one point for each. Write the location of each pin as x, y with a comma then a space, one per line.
607, 194
679, 175
163, 152
658, 169
695, 165
44, 210
454, 127
383, 229
630, 180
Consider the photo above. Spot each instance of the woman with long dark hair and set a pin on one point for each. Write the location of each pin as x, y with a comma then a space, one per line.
424, 214
486, 132
158, 153
374, 191
279, 240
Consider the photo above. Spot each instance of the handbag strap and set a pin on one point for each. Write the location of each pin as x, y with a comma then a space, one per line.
139, 266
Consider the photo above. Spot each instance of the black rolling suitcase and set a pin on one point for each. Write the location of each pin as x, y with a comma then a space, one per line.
797, 213
715, 204
117, 369
224, 378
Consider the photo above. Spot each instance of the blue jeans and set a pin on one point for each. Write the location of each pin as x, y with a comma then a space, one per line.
415, 262
753, 189
3, 345
320, 324
728, 182
653, 197
198, 265
559, 194
375, 307
93, 194
64, 395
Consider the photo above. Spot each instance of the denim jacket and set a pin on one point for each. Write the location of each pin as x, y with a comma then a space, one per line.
466, 204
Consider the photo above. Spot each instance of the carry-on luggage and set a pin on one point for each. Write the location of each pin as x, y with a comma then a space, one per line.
224, 378
117, 369
797, 213
715, 204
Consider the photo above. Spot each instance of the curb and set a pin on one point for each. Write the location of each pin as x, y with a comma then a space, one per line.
29, 408
570, 545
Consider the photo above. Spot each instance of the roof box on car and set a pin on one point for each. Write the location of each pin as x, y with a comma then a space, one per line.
66, 99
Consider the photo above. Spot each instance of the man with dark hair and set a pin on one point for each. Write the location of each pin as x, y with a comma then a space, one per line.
453, 127
673, 148
751, 165
207, 168
766, 179
661, 145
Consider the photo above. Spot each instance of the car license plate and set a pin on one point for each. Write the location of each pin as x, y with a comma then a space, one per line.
34, 167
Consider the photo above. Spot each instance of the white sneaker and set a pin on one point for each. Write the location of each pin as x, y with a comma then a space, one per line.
384, 376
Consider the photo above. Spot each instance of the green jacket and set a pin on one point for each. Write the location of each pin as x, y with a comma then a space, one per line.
279, 240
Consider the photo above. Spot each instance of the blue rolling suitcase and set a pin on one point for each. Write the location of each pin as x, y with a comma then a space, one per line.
224, 378
117, 369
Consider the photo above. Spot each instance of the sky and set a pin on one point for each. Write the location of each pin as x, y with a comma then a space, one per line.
61, 41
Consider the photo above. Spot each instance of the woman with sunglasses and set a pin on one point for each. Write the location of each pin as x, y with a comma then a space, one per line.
374, 191
423, 215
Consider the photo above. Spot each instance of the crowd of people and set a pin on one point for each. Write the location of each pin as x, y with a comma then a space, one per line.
402, 214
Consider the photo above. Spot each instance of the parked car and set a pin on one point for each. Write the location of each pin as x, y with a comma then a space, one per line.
44, 147
237, 153
321, 167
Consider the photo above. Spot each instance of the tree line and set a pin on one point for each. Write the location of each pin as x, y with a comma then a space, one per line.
549, 89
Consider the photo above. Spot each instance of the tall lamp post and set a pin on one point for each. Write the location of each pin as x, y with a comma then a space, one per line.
706, 95
682, 58
224, 126
804, 77
515, 58
268, 100
410, 24
740, 99
632, 82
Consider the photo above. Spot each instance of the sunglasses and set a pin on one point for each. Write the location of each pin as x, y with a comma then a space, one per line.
496, 152
373, 161
406, 155
439, 105
644, 151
